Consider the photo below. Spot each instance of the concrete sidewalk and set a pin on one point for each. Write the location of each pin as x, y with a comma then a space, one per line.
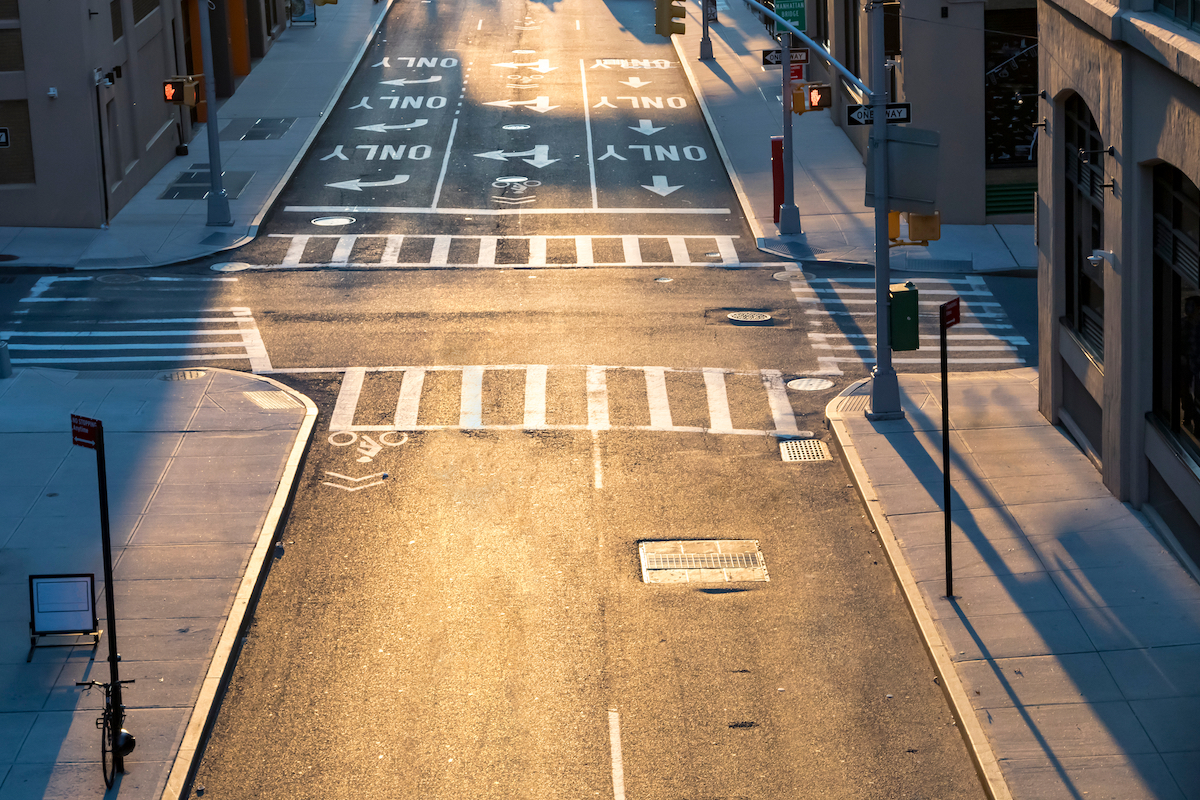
742, 104
299, 79
200, 463
1070, 651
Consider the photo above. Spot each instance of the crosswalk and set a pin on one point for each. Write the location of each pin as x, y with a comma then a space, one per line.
577, 397
841, 320
482, 252
221, 336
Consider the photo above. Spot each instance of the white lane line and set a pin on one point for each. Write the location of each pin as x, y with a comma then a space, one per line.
347, 400
727, 250
847, 290
953, 348
391, 250
718, 401
632, 249
537, 251
587, 124
614, 743
679, 251
781, 407
171, 321
1021, 340
295, 250
597, 398
89, 334
597, 463
470, 406
535, 396
487, 251
437, 192
256, 350
961, 281
141, 346
410, 398
441, 251
130, 359
496, 212
341, 252
656, 394
583, 251
56, 299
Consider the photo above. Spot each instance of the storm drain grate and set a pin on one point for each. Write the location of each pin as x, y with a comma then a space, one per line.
702, 561
182, 375
804, 450
855, 402
271, 400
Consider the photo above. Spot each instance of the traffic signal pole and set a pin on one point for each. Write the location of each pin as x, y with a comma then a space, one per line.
789, 215
218, 201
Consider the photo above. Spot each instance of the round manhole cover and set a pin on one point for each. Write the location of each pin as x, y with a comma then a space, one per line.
663, 280
749, 318
329, 222
809, 384
230, 266
120, 278
790, 275
182, 375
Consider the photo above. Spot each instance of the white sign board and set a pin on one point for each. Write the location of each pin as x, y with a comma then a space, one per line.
62, 604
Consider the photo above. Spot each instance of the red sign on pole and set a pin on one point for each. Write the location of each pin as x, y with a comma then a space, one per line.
949, 313
797, 71
83, 431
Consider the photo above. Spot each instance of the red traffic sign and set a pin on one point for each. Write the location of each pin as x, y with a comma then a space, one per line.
84, 431
949, 311
797, 72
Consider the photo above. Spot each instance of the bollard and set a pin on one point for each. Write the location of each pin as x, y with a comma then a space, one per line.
5, 363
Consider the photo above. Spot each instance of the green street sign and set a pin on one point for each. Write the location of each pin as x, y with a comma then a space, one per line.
793, 12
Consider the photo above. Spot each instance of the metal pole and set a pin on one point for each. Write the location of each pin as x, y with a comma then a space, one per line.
218, 202
110, 605
885, 389
946, 457
789, 215
705, 42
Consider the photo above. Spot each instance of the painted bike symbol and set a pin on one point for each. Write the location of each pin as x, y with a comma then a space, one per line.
515, 190
368, 448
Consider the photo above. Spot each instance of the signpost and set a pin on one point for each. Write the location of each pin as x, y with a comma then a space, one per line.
948, 318
895, 114
89, 433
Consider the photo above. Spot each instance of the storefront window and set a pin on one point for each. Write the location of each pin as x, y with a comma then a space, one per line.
1084, 158
1177, 305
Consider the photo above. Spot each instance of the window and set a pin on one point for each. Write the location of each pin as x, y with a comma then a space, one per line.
1177, 305
1185, 11
1084, 158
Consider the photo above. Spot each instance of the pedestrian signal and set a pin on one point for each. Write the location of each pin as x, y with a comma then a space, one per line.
665, 14
180, 90
818, 95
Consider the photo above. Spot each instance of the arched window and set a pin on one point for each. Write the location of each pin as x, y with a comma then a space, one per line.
1085, 226
1177, 305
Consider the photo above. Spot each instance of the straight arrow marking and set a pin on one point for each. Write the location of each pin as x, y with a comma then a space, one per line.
660, 186
645, 127
635, 82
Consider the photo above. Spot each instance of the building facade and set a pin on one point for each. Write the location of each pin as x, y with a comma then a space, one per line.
1118, 227
83, 124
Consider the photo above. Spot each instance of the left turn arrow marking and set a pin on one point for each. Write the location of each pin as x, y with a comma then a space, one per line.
407, 81
379, 127
540, 155
357, 185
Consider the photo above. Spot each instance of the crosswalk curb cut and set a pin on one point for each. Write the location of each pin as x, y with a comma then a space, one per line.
987, 767
220, 670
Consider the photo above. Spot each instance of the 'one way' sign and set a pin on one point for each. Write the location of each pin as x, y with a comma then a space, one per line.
895, 114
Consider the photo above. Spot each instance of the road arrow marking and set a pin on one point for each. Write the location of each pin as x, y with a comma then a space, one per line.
540, 153
540, 104
660, 187
542, 65
407, 81
357, 184
382, 475
381, 128
645, 127
635, 82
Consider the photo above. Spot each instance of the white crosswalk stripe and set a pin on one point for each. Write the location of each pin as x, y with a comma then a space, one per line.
584, 397
442, 251
841, 316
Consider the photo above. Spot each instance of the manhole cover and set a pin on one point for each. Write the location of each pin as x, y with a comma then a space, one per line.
120, 278
804, 450
663, 280
749, 318
790, 275
809, 384
230, 266
182, 375
702, 561
329, 222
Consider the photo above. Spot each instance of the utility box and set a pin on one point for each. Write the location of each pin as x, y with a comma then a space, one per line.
902, 316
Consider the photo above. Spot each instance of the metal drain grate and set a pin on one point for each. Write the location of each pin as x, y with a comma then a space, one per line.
182, 375
705, 560
271, 400
855, 402
804, 450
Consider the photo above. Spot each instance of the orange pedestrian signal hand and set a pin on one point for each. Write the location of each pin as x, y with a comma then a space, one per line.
814, 97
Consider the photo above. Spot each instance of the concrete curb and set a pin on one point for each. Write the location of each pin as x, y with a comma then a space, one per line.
205, 709
982, 755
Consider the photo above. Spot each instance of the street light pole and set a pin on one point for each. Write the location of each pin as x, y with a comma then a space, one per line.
885, 388
789, 215
218, 201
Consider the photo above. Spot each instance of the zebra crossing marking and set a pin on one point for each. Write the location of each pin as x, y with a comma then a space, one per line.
534, 409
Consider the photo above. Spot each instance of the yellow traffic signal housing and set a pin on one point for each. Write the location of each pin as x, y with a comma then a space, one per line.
180, 90
925, 227
665, 15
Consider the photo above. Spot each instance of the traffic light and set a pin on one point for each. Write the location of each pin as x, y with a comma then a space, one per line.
180, 90
665, 14
817, 96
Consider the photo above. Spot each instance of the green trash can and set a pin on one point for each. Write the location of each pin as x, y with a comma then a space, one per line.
902, 316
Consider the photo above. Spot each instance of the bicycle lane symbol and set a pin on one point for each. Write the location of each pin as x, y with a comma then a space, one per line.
368, 448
